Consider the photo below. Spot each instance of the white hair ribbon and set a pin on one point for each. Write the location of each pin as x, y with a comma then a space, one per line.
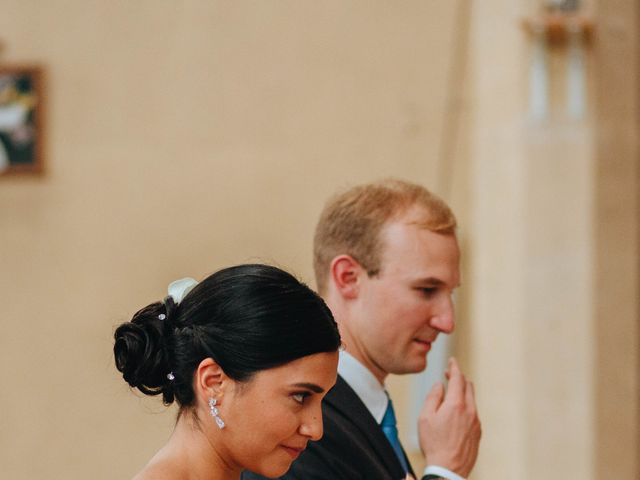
180, 288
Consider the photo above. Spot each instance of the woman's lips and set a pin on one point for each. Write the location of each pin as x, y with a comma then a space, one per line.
293, 451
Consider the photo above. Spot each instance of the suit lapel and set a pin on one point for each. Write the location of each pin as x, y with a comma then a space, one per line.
343, 399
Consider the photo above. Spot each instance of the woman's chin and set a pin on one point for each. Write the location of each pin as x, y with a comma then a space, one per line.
274, 471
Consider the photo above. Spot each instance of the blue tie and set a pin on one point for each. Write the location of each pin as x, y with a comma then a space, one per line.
389, 428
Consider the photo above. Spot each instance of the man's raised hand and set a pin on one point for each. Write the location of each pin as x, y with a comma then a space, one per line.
448, 427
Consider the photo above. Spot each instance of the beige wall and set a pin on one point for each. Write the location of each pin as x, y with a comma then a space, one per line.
186, 136
183, 136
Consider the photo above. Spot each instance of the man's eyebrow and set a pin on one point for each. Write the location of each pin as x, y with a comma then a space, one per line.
433, 282
311, 386
430, 281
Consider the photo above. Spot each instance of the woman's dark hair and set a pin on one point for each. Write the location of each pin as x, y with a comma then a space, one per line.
247, 318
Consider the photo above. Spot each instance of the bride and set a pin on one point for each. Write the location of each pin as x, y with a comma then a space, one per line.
247, 354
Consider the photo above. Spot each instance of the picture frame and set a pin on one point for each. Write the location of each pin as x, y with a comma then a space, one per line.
21, 119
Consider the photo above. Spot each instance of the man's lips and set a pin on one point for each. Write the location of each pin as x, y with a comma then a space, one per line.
293, 451
426, 344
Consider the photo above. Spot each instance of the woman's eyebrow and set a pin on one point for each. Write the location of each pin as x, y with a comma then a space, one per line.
311, 386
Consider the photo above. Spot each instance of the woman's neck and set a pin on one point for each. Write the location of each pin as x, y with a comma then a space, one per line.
194, 454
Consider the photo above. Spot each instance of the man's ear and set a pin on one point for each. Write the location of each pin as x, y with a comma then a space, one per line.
345, 274
210, 381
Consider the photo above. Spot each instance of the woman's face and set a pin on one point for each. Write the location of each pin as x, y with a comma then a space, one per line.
270, 419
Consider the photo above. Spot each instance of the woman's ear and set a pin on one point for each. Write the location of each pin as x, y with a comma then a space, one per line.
345, 274
210, 381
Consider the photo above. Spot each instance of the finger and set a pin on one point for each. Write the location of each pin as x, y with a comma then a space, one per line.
447, 373
470, 396
470, 392
434, 399
457, 382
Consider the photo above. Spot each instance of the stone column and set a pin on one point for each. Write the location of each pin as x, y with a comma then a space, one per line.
617, 256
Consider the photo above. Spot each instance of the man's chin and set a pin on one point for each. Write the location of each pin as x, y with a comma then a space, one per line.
416, 366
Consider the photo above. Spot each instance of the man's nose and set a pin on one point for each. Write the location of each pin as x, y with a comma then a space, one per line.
444, 318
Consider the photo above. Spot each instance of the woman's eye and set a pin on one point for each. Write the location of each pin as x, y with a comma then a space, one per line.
300, 397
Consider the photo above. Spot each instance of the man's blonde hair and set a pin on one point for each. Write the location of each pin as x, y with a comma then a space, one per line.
352, 220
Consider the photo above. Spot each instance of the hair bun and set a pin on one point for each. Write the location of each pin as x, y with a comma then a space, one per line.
141, 354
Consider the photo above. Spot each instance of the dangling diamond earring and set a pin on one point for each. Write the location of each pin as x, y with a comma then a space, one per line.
214, 413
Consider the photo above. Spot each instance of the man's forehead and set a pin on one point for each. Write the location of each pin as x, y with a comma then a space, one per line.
413, 228
417, 250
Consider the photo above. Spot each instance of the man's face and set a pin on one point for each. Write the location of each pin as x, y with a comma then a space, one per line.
401, 311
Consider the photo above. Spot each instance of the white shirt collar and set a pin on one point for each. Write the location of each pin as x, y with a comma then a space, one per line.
365, 384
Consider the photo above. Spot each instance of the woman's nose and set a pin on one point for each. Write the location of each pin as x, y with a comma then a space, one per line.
311, 425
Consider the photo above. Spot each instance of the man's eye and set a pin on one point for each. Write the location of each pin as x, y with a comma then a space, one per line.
428, 291
300, 397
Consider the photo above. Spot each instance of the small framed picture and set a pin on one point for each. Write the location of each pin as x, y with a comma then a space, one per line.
21, 119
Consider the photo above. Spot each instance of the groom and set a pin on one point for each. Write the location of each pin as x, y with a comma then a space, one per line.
386, 261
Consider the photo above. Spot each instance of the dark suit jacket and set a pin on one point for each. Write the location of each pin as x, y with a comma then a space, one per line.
353, 446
